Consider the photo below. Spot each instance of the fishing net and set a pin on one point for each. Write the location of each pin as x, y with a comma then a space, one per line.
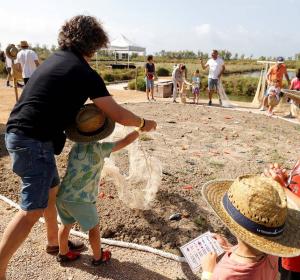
138, 188
223, 96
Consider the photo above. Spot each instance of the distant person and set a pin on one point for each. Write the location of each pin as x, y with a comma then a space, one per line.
150, 76
8, 65
178, 78
49, 103
255, 209
216, 69
78, 191
27, 61
196, 84
295, 85
275, 73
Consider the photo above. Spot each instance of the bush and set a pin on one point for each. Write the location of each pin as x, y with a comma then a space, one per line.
109, 77
162, 72
141, 84
2, 69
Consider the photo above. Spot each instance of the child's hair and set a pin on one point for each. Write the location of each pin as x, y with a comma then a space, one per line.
197, 71
149, 57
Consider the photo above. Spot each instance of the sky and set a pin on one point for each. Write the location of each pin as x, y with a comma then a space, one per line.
256, 27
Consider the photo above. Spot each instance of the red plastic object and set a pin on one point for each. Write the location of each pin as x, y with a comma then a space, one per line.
187, 187
101, 195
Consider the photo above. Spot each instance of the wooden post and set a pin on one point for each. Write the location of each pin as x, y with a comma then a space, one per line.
136, 75
15, 81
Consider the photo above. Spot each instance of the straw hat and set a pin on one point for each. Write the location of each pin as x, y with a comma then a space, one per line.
255, 209
24, 44
90, 125
11, 51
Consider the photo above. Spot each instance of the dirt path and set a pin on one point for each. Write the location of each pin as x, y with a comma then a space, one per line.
31, 261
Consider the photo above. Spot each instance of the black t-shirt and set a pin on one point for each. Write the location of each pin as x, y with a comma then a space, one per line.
150, 67
54, 94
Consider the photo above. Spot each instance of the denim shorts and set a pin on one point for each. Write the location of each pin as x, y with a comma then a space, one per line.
149, 83
84, 213
212, 84
34, 162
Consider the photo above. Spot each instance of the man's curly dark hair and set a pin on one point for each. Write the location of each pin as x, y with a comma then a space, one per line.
83, 34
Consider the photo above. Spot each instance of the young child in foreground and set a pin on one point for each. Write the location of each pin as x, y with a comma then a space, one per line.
196, 82
273, 95
76, 198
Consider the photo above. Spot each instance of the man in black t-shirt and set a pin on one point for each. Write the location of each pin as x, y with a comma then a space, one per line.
149, 77
35, 129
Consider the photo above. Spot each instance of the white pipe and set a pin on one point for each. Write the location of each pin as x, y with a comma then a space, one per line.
110, 241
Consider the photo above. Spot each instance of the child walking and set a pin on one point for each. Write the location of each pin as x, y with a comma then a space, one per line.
196, 83
76, 198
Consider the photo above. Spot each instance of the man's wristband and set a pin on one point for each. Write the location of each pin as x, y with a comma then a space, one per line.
206, 275
142, 123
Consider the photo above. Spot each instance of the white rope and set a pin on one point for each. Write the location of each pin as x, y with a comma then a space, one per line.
111, 242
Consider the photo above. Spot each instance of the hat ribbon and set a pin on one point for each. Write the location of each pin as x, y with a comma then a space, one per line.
248, 224
92, 133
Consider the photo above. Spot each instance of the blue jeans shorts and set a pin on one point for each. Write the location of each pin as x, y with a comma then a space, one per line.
84, 213
34, 162
149, 83
212, 84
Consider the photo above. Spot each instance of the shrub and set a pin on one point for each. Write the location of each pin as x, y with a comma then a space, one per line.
131, 84
162, 72
141, 84
109, 77
2, 69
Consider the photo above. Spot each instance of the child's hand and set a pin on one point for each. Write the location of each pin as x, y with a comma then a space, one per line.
209, 262
223, 242
278, 173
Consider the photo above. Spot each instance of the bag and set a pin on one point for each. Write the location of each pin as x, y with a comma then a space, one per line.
59, 142
150, 76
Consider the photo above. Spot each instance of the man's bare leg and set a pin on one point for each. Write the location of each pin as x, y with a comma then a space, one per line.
50, 215
15, 234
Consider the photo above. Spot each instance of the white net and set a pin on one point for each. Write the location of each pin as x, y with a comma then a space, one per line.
223, 96
138, 188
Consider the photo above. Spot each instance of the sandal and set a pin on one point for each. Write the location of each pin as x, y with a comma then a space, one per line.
105, 257
74, 245
69, 257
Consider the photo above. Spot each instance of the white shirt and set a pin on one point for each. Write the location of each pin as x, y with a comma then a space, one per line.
177, 75
215, 67
8, 62
26, 58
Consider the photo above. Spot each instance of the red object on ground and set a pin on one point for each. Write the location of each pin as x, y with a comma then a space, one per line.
101, 195
187, 187
227, 117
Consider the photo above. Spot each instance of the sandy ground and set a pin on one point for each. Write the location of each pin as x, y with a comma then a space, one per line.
31, 261
195, 144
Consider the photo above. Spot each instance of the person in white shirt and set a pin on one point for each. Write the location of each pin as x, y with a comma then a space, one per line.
27, 61
216, 68
8, 64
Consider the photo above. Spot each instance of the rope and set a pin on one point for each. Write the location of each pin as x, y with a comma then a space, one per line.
110, 242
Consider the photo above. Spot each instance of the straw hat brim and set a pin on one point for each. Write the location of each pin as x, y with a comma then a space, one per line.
74, 135
285, 245
11, 51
